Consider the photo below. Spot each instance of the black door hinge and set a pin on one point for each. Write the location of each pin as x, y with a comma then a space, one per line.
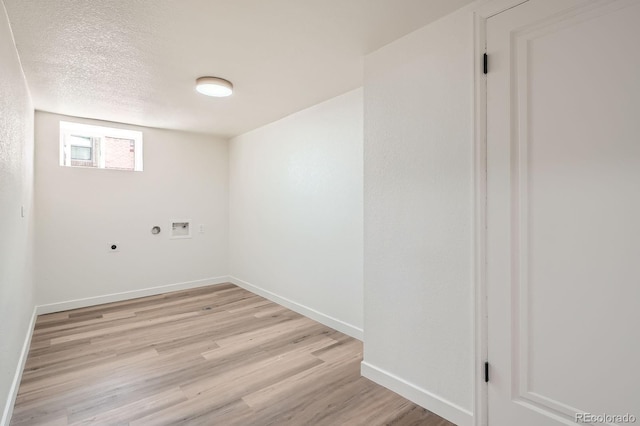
485, 63
486, 372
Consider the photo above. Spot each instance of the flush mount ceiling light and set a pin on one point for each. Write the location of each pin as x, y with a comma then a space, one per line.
214, 86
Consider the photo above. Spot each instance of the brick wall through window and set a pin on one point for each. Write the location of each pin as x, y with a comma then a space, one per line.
119, 153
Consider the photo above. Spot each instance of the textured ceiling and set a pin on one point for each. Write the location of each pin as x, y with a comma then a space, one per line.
135, 61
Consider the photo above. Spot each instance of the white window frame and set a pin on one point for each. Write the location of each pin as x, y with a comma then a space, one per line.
68, 129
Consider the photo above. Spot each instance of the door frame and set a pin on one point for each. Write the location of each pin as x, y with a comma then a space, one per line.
483, 11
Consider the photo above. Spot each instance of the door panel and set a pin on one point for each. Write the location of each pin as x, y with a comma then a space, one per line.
563, 211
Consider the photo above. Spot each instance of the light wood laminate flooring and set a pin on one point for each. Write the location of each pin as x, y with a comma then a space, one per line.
216, 355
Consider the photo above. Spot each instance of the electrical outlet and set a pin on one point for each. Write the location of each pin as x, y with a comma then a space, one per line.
201, 228
113, 247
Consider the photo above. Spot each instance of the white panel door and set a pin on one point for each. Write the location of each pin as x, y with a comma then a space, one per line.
563, 212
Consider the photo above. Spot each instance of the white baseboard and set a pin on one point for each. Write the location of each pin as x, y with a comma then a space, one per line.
15, 385
440, 406
126, 295
327, 320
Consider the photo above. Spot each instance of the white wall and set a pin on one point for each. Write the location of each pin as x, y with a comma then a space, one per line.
418, 213
16, 232
296, 211
81, 210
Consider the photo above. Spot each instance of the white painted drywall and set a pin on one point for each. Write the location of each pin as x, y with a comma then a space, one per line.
82, 210
16, 232
296, 211
418, 213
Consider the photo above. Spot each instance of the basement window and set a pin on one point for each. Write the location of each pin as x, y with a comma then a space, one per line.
84, 145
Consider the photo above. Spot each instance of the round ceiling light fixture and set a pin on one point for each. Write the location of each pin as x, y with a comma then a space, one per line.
214, 86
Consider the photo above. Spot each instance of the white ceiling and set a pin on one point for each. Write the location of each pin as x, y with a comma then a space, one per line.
135, 61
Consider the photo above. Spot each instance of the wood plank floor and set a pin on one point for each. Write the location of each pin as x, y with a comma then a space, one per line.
216, 355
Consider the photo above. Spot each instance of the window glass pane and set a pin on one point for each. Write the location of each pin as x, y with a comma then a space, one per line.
119, 153
80, 153
80, 140
86, 145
